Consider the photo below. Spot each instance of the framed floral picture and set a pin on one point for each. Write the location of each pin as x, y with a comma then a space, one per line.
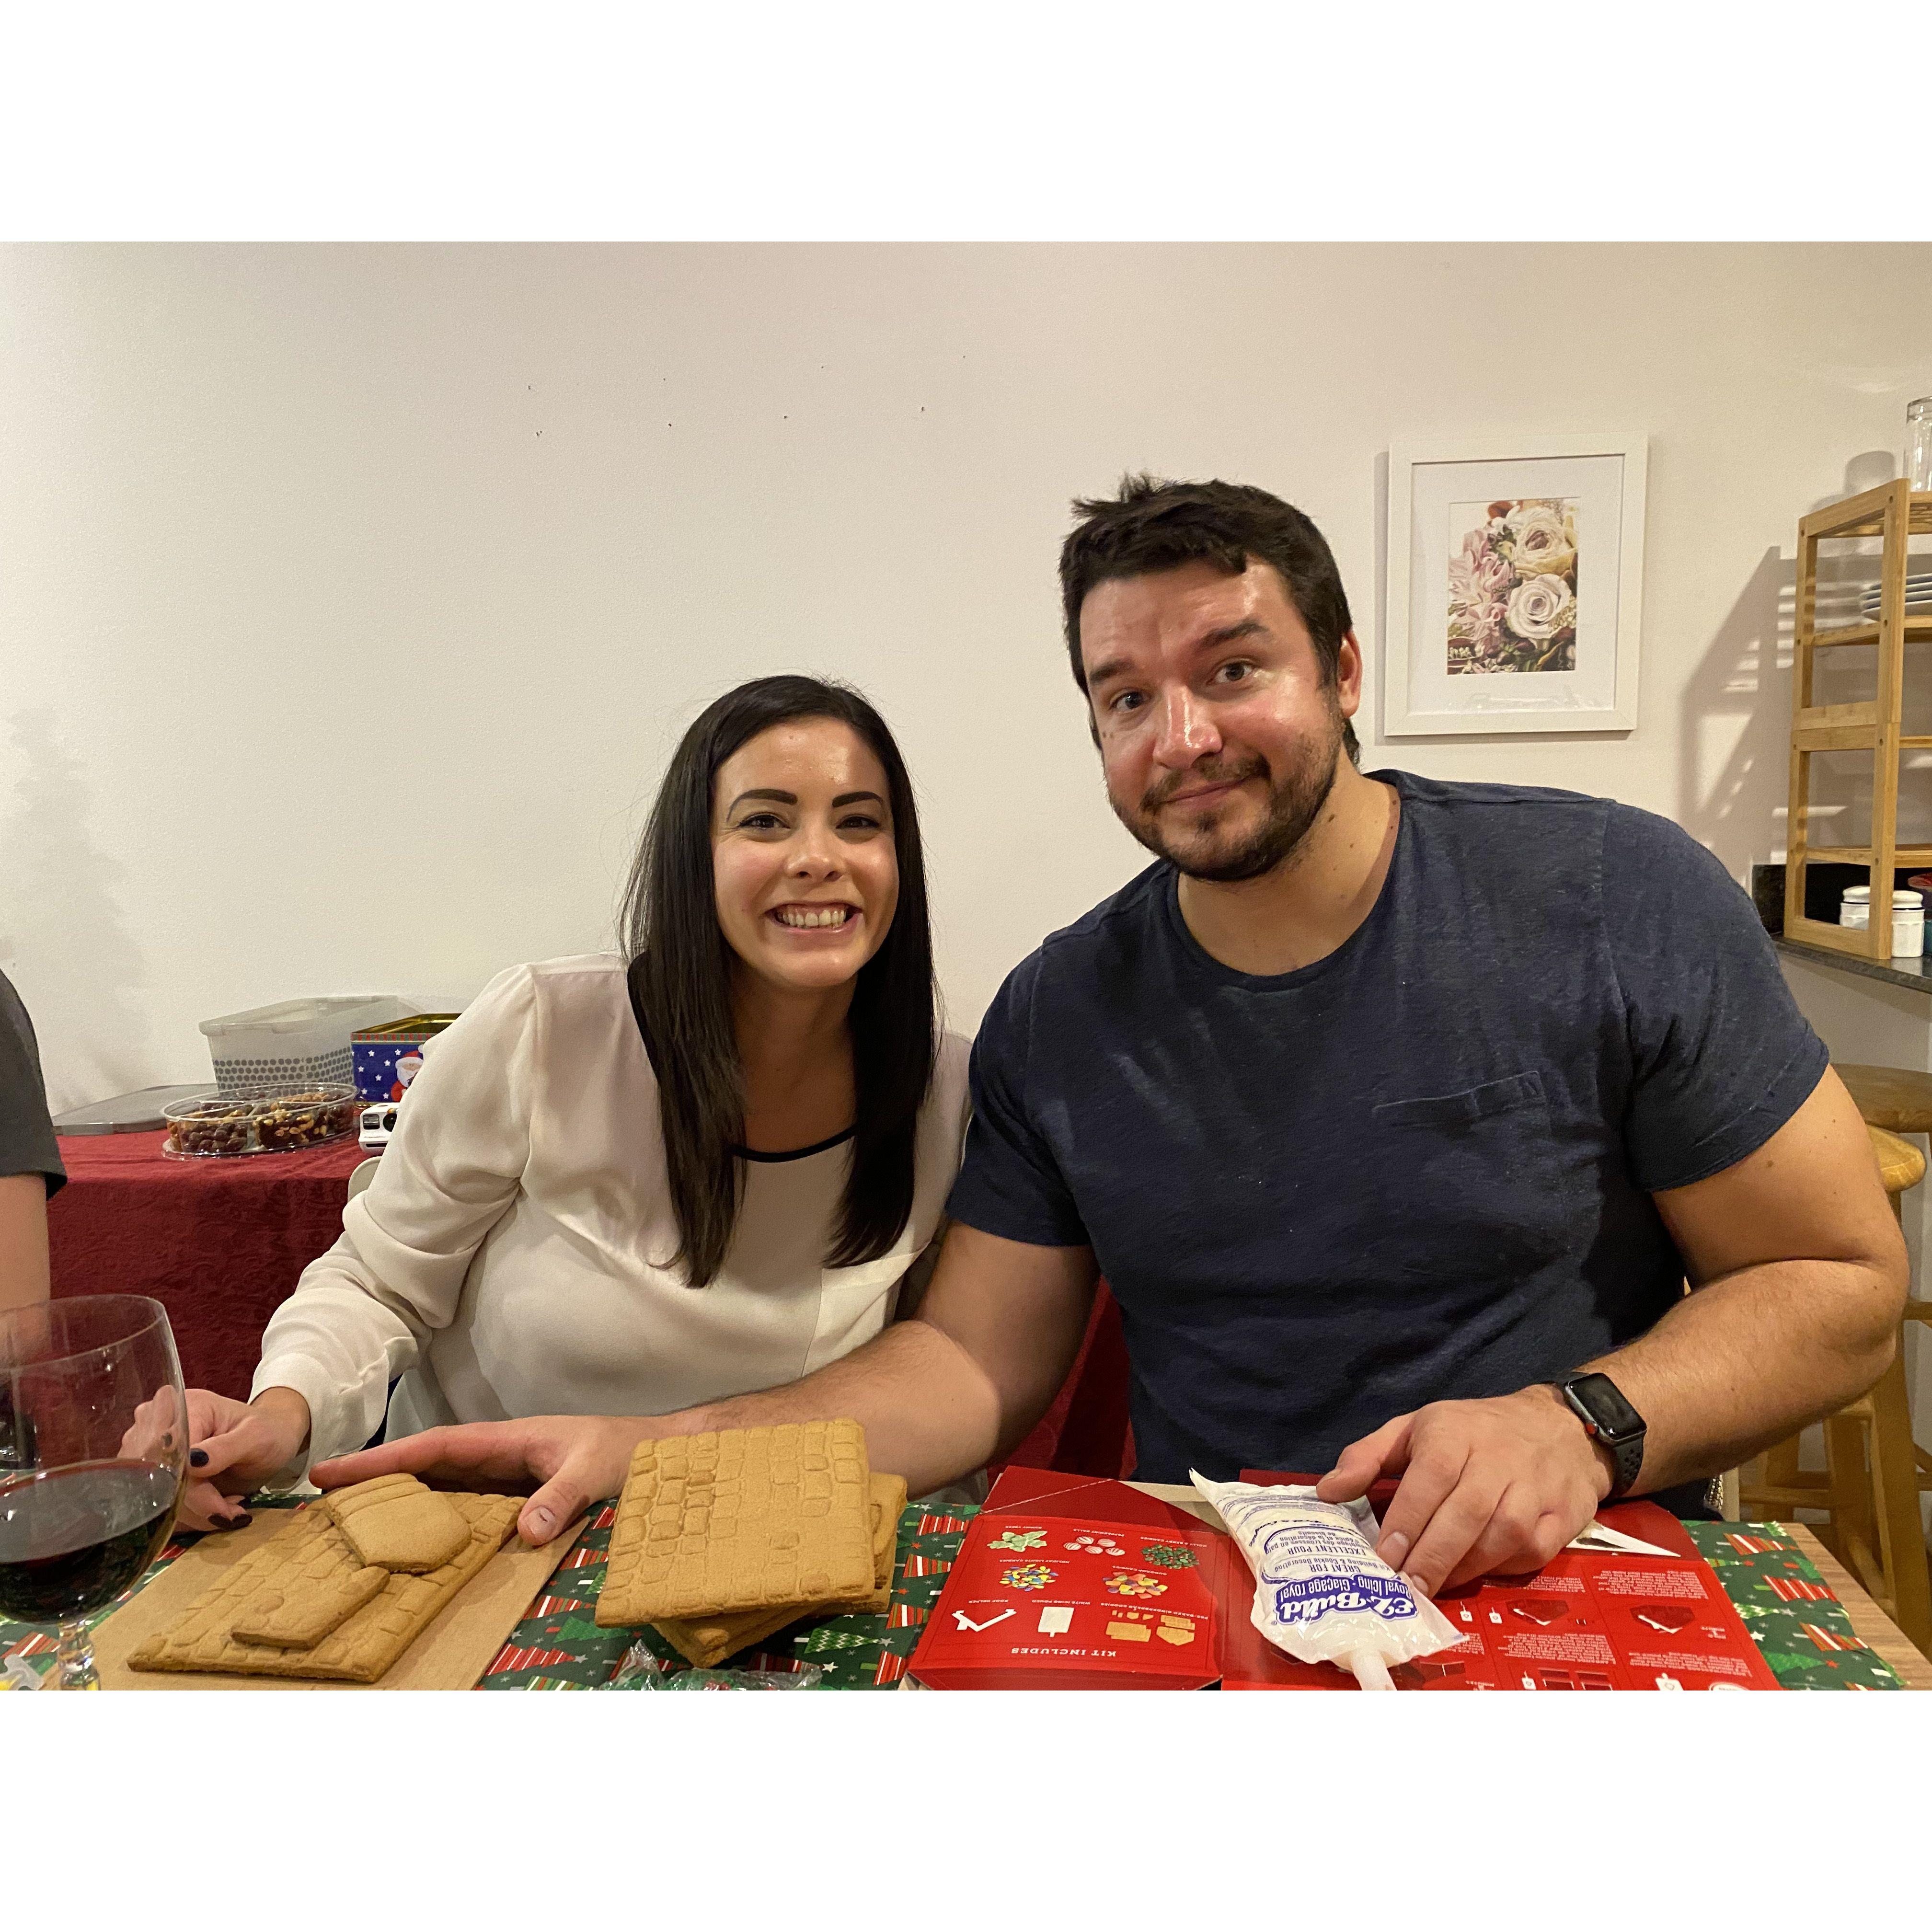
1515, 587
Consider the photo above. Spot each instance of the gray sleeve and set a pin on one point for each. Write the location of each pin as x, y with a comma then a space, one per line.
1720, 1056
27, 1143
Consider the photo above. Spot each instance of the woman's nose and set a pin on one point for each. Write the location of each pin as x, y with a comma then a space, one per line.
812, 857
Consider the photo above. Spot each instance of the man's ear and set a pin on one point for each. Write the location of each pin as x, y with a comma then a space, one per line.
1349, 675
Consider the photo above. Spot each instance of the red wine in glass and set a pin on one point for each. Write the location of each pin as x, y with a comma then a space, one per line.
93, 1454
72, 1539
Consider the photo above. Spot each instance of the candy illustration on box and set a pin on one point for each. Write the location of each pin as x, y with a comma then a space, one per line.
1028, 1577
1019, 1540
1169, 1556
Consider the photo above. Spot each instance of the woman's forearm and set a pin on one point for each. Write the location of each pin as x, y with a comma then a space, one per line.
23, 1241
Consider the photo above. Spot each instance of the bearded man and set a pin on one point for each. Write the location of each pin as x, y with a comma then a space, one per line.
1396, 1113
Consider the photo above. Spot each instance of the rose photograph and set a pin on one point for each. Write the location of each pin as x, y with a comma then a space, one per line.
1513, 585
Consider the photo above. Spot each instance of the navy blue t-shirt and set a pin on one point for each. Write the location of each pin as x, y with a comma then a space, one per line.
1420, 1169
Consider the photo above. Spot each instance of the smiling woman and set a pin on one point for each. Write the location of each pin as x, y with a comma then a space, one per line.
627, 1184
777, 920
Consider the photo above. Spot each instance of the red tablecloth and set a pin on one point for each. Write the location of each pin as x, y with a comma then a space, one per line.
218, 1243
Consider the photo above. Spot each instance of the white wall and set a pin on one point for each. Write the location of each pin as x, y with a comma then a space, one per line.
351, 598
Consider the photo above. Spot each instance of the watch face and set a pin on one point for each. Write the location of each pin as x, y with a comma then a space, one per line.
1608, 1410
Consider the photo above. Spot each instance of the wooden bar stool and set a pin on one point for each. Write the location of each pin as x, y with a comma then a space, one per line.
1900, 1102
1873, 1471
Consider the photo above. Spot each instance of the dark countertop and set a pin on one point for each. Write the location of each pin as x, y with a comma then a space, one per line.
1916, 974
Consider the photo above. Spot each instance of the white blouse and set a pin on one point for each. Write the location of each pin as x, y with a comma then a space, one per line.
508, 1258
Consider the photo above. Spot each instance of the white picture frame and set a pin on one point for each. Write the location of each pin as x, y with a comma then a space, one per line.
1452, 663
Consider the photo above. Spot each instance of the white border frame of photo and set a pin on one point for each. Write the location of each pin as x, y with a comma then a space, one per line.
1606, 474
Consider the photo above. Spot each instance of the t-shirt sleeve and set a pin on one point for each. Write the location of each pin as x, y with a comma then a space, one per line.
1720, 1056
1009, 1183
27, 1142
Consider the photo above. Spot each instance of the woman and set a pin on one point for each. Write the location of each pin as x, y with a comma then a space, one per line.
625, 1190
30, 1172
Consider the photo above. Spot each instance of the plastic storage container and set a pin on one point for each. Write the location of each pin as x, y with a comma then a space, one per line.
297, 1043
269, 1121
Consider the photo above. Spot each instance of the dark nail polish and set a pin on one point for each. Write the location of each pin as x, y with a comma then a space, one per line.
197, 1459
233, 1522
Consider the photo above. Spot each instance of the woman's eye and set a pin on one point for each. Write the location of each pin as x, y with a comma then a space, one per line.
859, 821
761, 821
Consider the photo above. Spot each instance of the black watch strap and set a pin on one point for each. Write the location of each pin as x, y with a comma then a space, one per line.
1621, 1432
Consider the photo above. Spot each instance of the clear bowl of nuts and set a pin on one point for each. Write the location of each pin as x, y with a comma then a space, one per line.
259, 1121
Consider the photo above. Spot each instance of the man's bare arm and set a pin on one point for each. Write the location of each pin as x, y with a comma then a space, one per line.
938, 1395
1799, 1276
23, 1240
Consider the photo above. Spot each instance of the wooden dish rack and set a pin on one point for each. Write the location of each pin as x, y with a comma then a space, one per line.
1893, 511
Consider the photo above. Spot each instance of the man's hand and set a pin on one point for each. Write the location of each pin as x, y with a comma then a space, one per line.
236, 1447
573, 1460
1498, 1485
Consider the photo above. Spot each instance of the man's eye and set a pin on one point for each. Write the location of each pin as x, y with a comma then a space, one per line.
1234, 674
1126, 700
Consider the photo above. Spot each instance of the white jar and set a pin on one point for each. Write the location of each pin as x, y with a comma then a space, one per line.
1908, 925
1908, 918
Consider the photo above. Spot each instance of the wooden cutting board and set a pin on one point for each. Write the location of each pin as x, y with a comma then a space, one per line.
451, 1655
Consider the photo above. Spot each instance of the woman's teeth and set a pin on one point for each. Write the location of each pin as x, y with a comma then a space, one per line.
802, 915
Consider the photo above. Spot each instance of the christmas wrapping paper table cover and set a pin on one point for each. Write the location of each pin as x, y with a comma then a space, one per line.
1800, 1629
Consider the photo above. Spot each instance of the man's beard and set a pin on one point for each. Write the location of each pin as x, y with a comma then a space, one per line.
1294, 803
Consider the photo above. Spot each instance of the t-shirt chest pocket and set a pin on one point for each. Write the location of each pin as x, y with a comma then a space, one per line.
1472, 1179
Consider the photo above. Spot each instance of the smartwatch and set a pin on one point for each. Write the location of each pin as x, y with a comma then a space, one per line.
1599, 1405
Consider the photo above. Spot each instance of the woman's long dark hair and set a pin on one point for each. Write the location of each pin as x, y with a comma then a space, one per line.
680, 979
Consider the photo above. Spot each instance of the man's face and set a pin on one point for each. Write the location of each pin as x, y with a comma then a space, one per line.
1219, 738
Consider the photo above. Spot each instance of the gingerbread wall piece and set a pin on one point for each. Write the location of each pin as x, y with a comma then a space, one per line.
741, 1519
297, 1613
310, 1554
398, 1523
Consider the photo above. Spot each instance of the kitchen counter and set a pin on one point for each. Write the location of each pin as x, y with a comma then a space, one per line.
1915, 974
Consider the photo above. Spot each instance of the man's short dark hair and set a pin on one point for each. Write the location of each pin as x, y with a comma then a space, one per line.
1155, 525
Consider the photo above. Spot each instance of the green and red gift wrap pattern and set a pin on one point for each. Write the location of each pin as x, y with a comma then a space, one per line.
1802, 1630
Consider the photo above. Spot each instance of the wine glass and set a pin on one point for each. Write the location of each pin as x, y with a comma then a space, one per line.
93, 1446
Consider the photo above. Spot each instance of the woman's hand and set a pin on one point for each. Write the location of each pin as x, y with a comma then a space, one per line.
574, 1459
234, 1446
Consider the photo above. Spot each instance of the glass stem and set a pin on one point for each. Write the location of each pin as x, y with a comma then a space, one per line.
73, 1661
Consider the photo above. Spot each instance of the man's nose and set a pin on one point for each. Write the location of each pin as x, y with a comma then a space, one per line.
1183, 732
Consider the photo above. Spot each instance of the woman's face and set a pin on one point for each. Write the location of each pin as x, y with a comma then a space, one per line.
807, 875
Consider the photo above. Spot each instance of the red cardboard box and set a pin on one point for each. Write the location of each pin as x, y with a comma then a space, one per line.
1065, 1583
1588, 1620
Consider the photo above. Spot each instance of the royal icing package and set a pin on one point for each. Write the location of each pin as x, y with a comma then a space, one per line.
1321, 1593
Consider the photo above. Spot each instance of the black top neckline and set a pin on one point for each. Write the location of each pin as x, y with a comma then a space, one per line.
796, 1154
743, 1153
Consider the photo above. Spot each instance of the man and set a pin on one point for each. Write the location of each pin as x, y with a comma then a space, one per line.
30, 1163
1395, 1112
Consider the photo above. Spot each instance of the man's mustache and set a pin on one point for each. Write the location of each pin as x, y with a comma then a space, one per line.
1156, 795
